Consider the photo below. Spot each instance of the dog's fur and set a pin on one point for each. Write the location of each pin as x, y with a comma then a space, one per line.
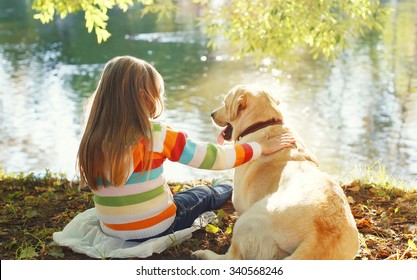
288, 207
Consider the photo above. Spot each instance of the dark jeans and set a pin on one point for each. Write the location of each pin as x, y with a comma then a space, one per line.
194, 202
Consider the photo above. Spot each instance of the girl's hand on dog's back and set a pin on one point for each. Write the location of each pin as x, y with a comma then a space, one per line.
274, 145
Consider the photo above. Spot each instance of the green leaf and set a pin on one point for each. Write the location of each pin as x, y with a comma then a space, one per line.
27, 252
31, 213
212, 228
221, 215
102, 35
176, 188
56, 251
411, 244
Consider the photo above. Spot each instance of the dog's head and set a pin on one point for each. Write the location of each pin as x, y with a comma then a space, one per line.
243, 106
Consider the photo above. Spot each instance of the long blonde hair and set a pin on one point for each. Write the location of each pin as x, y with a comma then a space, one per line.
129, 94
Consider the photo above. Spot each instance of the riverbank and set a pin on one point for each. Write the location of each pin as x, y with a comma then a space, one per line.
34, 207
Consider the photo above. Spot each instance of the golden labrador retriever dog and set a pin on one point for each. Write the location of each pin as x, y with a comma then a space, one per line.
288, 208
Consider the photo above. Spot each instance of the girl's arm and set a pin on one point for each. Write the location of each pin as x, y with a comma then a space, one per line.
204, 155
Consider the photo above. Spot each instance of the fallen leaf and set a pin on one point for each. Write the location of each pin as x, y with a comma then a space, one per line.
412, 245
212, 228
27, 253
351, 200
176, 188
383, 253
364, 222
355, 188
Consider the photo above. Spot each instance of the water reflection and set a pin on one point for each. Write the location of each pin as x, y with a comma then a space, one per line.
361, 109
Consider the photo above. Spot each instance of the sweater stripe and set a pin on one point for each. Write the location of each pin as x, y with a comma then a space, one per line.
140, 177
221, 159
188, 152
210, 157
159, 133
132, 188
179, 146
128, 199
198, 156
157, 127
169, 212
248, 152
129, 218
240, 155
164, 199
141, 233
230, 158
169, 143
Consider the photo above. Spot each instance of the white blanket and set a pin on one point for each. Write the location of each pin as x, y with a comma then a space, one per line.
84, 235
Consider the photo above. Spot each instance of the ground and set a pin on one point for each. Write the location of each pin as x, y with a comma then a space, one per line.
34, 207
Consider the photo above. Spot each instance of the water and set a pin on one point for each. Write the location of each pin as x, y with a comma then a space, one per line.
356, 111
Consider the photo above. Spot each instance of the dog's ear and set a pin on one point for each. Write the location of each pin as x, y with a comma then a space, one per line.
239, 103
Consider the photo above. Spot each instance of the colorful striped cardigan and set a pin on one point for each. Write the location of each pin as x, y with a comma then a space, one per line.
143, 207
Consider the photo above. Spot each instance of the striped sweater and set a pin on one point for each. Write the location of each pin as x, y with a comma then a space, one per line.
143, 207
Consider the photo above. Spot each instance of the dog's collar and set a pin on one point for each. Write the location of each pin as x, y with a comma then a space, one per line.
257, 126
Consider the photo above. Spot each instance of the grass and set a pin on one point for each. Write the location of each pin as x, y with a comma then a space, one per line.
33, 207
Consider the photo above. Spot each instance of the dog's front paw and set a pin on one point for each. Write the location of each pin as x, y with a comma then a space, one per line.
202, 255
199, 255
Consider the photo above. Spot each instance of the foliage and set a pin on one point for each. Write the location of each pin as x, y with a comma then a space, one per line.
277, 29
95, 11
283, 29
274, 29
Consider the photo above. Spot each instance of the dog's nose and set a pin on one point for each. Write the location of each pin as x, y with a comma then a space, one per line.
212, 114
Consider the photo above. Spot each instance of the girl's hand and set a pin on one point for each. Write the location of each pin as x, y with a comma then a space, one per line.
274, 145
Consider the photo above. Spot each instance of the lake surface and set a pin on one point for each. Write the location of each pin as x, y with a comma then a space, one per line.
359, 110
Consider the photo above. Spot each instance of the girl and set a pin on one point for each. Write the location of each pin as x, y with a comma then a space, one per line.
123, 149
